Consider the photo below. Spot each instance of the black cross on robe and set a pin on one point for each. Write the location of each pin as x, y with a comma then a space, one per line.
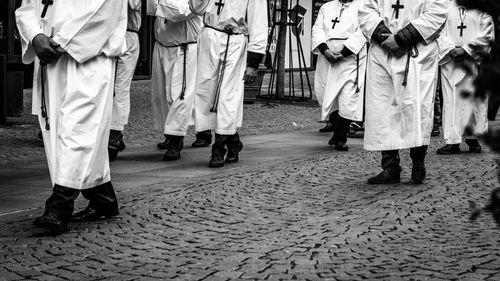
219, 5
461, 27
398, 7
46, 4
335, 21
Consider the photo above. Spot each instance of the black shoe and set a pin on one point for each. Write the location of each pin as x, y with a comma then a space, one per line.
52, 221
121, 146
332, 141
385, 177
418, 172
173, 152
163, 145
435, 131
341, 146
449, 149
474, 146
90, 214
233, 153
217, 160
327, 129
201, 143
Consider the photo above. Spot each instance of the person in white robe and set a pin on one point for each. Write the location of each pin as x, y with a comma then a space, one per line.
230, 47
74, 45
340, 71
401, 80
466, 40
174, 74
125, 68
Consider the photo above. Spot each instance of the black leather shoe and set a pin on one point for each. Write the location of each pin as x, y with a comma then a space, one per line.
327, 129
474, 146
173, 153
217, 160
233, 153
163, 145
385, 177
201, 143
341, 146
52, 221
418, 172
90, 214
449, 149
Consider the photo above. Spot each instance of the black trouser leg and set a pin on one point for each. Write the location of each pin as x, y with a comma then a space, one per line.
233, 140
102, 197
493, 106
62, 201
341, 129
115, 137
204, 135
220, 143
391, 160
175, 141
417, 154
437, 110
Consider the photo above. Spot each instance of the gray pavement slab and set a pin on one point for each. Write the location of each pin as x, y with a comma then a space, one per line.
25, 187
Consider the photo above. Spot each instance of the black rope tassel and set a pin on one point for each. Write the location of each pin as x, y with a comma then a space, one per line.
407, 68
219, 83
357, 73
184, 48
44, 103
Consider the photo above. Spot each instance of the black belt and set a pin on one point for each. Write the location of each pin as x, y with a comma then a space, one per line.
134, 31
176, 46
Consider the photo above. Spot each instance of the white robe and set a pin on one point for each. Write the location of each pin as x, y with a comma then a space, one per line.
399, 117
246, 19
125, 68
335, 84
79, 86
175, 25
459, 111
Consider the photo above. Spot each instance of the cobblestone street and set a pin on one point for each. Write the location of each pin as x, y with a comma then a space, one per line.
307, 216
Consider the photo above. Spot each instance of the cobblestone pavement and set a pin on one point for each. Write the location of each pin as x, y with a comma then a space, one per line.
304, 218
19, 141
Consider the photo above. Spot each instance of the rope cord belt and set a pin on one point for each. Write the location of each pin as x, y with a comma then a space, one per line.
44, 102
184, 48
357, 73
229, 33
412, 53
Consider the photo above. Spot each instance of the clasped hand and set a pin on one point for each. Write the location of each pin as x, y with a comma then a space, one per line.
391, 46
332, 57
46, 49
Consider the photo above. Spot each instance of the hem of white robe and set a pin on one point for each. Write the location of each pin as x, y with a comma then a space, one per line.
396, 147
117, 127
174, 133
225, 132
81, 186
453, 141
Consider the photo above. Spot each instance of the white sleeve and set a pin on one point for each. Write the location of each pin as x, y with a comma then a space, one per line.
481, 44
28, 22
433, 20
356, 41
369, 17
257, 26
200, 6
318, 33
84, 35
174, 10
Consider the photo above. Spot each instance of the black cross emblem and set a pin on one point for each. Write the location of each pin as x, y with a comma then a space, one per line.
335, 21
46, 3
219, 5
462, 27
398, 7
